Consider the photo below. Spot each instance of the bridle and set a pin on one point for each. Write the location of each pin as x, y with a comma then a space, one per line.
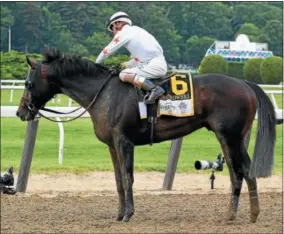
35, 111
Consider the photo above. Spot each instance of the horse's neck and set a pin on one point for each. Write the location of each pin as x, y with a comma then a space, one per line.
81, 90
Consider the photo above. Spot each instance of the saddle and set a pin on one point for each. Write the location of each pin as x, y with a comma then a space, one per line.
163, 81
152, 109
177, 100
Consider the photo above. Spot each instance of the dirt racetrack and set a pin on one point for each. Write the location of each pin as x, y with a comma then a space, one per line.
88, 204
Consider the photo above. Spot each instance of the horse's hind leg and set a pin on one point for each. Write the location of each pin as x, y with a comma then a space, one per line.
252, 187
253, 197
232, 154
119, 184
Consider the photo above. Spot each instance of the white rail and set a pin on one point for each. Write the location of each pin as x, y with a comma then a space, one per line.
21, 87
13, 81
14, 85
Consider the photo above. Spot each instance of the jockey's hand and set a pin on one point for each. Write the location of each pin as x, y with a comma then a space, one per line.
115, 70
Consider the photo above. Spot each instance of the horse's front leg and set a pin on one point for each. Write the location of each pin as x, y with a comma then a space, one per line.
119, 184
125, 151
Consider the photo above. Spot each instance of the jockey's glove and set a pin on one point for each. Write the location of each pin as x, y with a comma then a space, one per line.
115, 70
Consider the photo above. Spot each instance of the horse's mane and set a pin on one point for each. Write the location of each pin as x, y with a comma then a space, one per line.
63, 64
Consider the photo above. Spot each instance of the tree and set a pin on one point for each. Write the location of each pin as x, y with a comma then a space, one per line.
273, 35
206, 19
26, 30
51, 27
196, 48
70, 26
213, 63
65, 40
78, 49
78, 17
251, 31
271, 70
252, 70
257, 13
96, 42
7, 21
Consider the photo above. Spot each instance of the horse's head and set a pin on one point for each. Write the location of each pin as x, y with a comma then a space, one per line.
38, 90
47, 77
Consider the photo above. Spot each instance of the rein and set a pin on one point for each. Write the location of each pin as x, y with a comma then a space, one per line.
32, 108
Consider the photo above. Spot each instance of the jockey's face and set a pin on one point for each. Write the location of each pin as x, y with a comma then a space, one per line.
117, 26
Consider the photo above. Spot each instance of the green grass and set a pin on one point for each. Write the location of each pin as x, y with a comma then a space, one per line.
84, 153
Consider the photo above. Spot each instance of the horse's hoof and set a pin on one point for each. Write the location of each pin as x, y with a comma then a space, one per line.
231, 216
126, 218
119, 218
253, 218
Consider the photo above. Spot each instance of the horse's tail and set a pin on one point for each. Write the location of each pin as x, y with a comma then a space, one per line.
263, 157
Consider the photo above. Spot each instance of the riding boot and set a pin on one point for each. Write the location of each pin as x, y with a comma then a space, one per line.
156, 91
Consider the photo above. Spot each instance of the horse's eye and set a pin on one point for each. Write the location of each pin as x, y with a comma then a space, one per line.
28, 84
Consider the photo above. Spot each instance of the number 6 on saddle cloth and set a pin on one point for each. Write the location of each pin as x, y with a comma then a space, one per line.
177, 101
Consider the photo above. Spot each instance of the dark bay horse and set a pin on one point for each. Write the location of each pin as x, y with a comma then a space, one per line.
224, 105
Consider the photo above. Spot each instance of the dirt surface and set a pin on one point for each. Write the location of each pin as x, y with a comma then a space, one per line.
69, 203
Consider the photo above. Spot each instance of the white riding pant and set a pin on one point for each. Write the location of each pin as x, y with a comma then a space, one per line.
152, 69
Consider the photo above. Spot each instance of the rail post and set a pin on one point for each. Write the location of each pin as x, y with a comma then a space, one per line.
27, 156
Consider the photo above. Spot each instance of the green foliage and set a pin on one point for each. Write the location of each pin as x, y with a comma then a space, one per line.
236, 69
65, 39
273, 35
196, 48
79, 50
271, 70
7, 19
252, 70
97, 41
115, 60
213, 64
80, 27
112, 61
205, 19
14, 65
257, 13
251, 31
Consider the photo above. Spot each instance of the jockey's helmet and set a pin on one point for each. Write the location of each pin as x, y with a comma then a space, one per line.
118, 16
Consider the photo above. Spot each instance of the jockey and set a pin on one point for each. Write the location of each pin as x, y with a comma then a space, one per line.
147, 59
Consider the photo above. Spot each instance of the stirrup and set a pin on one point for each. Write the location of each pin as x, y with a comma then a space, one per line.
153, 98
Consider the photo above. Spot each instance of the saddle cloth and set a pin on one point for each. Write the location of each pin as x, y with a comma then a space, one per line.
178, 100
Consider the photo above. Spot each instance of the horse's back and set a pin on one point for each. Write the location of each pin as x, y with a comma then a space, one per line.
217, 79
227, 86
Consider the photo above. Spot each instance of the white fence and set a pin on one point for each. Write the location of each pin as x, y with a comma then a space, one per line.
16, 85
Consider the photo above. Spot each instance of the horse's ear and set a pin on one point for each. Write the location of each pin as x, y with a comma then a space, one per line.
31, 62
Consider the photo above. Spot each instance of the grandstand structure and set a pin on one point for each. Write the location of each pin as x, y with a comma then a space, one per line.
240, 50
